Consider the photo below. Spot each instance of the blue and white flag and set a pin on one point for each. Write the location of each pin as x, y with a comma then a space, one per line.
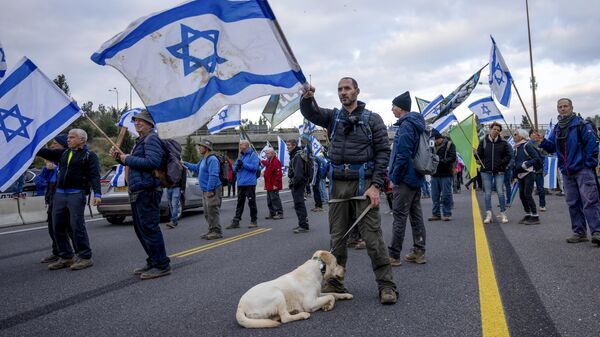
500, 78
126, 121
551, 170
2, 61
458, 96
228, 117
511, 141
549, 130
119, 179
316, 147
280, 107
444, 123
486, 110
283, 155
433, 108
188, 62
263, 152
306, 128
32, 111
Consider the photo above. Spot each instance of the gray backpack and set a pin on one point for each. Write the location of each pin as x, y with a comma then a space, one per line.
426, 160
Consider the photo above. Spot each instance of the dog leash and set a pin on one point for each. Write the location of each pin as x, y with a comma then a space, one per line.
362, 215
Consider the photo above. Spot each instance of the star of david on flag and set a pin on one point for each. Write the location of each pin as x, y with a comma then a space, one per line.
32, 111
228, 117
188, 62
500, 79
2, 61
486, 110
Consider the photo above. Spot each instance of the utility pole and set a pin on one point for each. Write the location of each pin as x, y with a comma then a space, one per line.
533, 82
117, 92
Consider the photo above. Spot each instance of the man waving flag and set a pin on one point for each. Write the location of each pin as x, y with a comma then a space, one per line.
189, 61
500, 78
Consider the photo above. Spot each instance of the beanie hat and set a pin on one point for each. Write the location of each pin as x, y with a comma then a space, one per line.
403, 101
436, 134
62, 140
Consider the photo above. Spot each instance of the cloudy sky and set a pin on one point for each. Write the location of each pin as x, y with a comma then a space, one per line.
427, 47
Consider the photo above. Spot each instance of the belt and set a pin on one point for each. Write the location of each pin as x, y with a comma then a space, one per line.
361, 168
67, 190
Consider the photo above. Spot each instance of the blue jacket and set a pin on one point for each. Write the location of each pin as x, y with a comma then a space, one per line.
146, 156
246, 175
406, 140
207, 170
573, 154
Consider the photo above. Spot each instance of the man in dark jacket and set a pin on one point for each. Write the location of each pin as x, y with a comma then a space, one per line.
359, 154
441, 181
145, 194
494, 152
577, 147
298, 180
78, 170
407, 181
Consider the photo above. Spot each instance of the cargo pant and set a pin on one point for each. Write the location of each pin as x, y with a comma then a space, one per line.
212, 210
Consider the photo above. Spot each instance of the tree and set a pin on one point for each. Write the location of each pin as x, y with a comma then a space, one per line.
61, 82
525, 123
189, 151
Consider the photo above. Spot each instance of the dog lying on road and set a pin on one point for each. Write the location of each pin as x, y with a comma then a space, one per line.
292, 296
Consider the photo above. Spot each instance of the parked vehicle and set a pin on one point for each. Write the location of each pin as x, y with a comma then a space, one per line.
115, 206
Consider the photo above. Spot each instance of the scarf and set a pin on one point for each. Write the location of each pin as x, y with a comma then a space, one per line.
563, 124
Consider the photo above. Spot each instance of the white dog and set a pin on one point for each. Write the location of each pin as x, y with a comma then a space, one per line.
292, 296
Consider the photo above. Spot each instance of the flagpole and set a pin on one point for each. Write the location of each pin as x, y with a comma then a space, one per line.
523, 104
533, 84
103, 133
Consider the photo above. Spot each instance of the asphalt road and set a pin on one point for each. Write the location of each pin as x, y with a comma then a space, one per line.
547, 287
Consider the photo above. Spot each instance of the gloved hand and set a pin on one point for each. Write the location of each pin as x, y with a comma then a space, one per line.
238, 165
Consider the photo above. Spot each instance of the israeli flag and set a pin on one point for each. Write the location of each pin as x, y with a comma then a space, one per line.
316, 147
549, 131
283, 155
189, 61
32, 111
306, 128
228, 117
444, 123
126, 121
119, 179
263, 152
486, 110
433, 108
500, 78
511, 141
2, 61
551, 166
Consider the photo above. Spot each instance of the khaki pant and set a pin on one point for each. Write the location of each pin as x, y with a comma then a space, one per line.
212, 210
343, 214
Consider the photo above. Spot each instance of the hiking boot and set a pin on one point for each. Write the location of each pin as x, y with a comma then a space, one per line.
533, 220
435, 218
317, 209
82, 264
277, 217
300, 230
360, 244
395, 262
416, 256
172, 224
253, 225
140, 271
155, 272
214, 236
488, 217
269, 217
49, 259
61, 263
596, 238
446, 218
388, 296
525, 219
542, 208
575, 238
334, 285
203, 236
503, 217
234, 224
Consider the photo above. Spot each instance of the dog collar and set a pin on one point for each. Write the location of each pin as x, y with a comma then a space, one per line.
321, 264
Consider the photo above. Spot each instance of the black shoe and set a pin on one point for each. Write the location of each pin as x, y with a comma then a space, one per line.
533, 220
435, 218
140, 271
155, 272
525, 219
269, 217
234, 224
253, 225
596, 238
300, 230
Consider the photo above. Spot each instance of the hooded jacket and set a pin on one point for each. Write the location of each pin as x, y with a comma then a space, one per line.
401, 167
495, 154
245, 168
273, 174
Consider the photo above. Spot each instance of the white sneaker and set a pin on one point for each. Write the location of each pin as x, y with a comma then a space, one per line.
542, 209
504, 218
488, 217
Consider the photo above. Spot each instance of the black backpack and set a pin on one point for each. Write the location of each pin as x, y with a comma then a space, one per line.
171, 170
223, 168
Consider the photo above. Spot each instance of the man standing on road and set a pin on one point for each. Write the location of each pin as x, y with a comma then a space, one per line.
576, 143
298, 179
441, 180
359, 154
406, 181
245, 168
494, 152
78, 170
273, 184
145, 194
212, 193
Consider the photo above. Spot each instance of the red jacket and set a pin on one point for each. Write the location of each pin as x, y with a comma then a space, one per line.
273, 175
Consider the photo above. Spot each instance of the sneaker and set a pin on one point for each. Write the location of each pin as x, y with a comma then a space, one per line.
49, 259
435, 218
172, 224
140, 271
575, 238
525, 219
82, 264
203, 236
503, 217
155, 272
361, 244
416, 256
317, 209
388, 296
596, 238
446, 218
395, 262
214, 236
253, 225
277, 217
234, 224
61, 263
300, 230
533, 220
542, 209
488, 217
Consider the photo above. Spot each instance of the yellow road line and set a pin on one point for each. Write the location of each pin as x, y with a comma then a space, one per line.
219, 243
493, 320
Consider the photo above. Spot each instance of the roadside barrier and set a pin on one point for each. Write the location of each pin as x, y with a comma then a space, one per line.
33, 210
9, 213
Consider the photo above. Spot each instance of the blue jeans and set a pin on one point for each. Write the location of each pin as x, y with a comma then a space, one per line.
508, 185
173, 195
441, 190
324, 190
425, 188
539, 185
487, 188
145, 209
582, 199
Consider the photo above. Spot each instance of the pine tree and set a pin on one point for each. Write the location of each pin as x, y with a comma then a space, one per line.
189, 151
